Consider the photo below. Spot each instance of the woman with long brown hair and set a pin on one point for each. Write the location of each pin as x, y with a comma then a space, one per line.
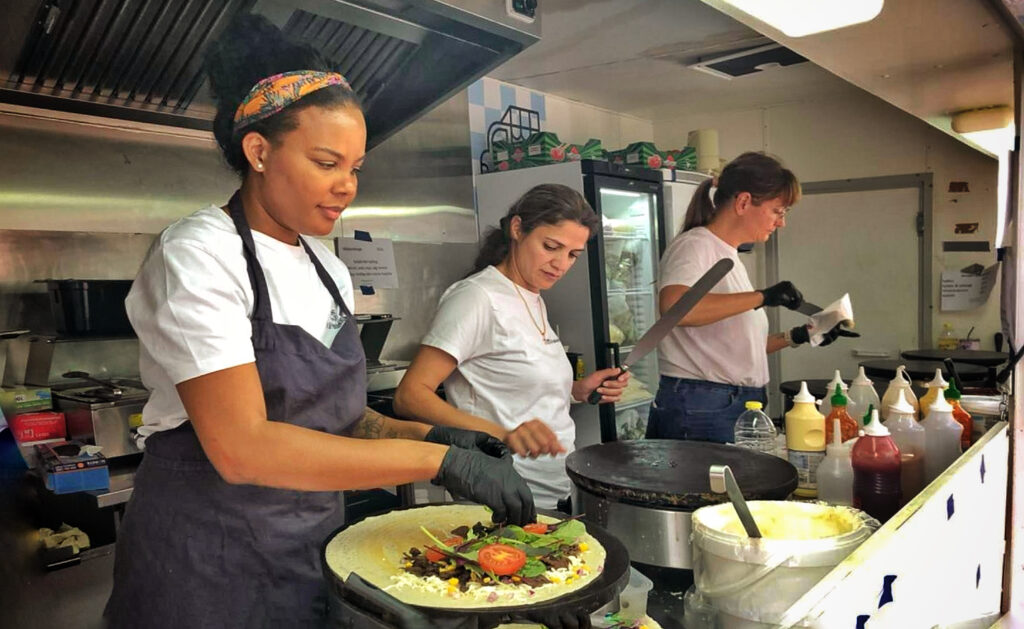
716, 358
503, 367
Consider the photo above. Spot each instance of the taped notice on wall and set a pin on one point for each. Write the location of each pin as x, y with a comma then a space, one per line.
370, 262
962, 291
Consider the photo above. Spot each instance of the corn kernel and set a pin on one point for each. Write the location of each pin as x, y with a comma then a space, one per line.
643, 626
487, 579
453, 581
451, 589
583, 546
516, 579
556, 579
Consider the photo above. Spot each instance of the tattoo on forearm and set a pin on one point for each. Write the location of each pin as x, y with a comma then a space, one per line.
373, 425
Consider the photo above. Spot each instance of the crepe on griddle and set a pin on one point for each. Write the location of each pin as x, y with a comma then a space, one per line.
374, 547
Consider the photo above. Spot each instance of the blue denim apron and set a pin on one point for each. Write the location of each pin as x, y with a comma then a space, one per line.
197, 552
698, 410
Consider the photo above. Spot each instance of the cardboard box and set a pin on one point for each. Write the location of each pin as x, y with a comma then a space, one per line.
66, 469
24, 400
38, 426
681, 159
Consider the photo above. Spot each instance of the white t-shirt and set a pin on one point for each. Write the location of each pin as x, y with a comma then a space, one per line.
191, 301
730, 351
506, 371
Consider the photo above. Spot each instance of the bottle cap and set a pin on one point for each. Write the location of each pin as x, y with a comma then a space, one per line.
867, 416
862, 378
952, 393
874, 428
838, 399
938, 381
901, 405
901, 376
804, 395
837, 379
753, 405
940, 404
837, 447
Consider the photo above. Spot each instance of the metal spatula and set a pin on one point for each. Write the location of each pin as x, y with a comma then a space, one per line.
722, 481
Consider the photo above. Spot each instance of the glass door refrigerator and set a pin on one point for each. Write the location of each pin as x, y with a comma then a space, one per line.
599, 309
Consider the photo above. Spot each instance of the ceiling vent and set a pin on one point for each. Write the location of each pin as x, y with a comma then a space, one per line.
747, 62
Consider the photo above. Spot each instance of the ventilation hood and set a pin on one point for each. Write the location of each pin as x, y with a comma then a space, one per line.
141, 60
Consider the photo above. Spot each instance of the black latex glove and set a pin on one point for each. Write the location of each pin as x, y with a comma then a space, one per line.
554, 620
493, 482
800, 335
468, 439
835, 333
782, 294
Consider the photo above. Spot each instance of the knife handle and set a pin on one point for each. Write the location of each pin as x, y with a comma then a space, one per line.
594, 396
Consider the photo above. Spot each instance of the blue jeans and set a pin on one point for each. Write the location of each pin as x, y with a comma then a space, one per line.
698, 410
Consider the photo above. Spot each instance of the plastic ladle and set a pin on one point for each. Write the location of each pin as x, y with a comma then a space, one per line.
722, 481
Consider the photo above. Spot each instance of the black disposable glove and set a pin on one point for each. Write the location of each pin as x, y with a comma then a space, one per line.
493, 482
835, 333
801, 334
554, 620
782, 294
469, 440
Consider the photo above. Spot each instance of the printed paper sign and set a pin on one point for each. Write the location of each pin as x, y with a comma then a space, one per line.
961, 291
371, 263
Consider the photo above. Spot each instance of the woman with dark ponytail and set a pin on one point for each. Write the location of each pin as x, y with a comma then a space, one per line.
256, 419
503, 366
716, 358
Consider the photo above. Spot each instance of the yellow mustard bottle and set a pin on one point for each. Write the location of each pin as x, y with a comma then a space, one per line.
805, 439
936, 385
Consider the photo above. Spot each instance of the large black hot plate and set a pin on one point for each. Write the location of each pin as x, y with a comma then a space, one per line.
377, 608
671, 474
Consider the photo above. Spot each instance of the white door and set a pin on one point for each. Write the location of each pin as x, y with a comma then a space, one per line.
864, 243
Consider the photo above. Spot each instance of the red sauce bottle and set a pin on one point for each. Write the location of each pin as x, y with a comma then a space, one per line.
961, 416
876, 471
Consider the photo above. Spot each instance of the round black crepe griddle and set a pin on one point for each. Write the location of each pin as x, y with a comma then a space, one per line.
672, 474
921, 369
377, 604
968, 356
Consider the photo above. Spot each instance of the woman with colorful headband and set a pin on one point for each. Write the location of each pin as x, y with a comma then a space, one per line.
257, 419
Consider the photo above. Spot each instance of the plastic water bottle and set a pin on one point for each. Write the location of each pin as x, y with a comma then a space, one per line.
755, 430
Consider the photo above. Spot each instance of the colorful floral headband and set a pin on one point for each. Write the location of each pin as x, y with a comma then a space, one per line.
274, 93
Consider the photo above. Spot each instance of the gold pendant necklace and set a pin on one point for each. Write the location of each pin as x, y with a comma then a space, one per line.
543, 330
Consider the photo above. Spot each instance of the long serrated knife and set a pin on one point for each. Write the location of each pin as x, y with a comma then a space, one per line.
649, 341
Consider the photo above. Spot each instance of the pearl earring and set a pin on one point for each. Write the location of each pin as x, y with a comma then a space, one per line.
259, 165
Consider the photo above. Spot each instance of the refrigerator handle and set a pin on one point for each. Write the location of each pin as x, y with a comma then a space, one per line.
594, 396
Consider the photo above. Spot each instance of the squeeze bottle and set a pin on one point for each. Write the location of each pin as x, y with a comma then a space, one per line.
862, 393
805, 440
826, 403
909, 436
835, 474
899, 383
961, 416
941, 439
876, 471
935, 386
848, 425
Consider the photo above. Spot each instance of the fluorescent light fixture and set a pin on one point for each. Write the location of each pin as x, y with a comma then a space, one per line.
621, 193
797, 18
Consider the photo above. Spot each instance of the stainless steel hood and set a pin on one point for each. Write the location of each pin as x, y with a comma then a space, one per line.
141, 60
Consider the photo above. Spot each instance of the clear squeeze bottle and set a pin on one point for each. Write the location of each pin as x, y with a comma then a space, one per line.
805, 440
899, 383
835, 474
848, 425
935, 386
826, 403
961, 416
941, 439
755, 430
909, 436
876, 471
862, 393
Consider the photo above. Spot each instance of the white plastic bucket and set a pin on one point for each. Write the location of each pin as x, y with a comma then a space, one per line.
752, 582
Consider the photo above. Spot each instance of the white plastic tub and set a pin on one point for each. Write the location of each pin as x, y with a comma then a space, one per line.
752, 582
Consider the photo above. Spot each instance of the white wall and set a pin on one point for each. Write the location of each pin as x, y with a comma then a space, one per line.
863, 136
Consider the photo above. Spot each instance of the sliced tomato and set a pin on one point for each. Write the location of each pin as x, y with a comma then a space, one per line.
537, 528
501, 559
433, 554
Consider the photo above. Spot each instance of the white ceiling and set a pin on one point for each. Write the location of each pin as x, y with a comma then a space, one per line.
930, 58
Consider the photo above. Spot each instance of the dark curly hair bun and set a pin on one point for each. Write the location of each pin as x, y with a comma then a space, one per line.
250, 49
